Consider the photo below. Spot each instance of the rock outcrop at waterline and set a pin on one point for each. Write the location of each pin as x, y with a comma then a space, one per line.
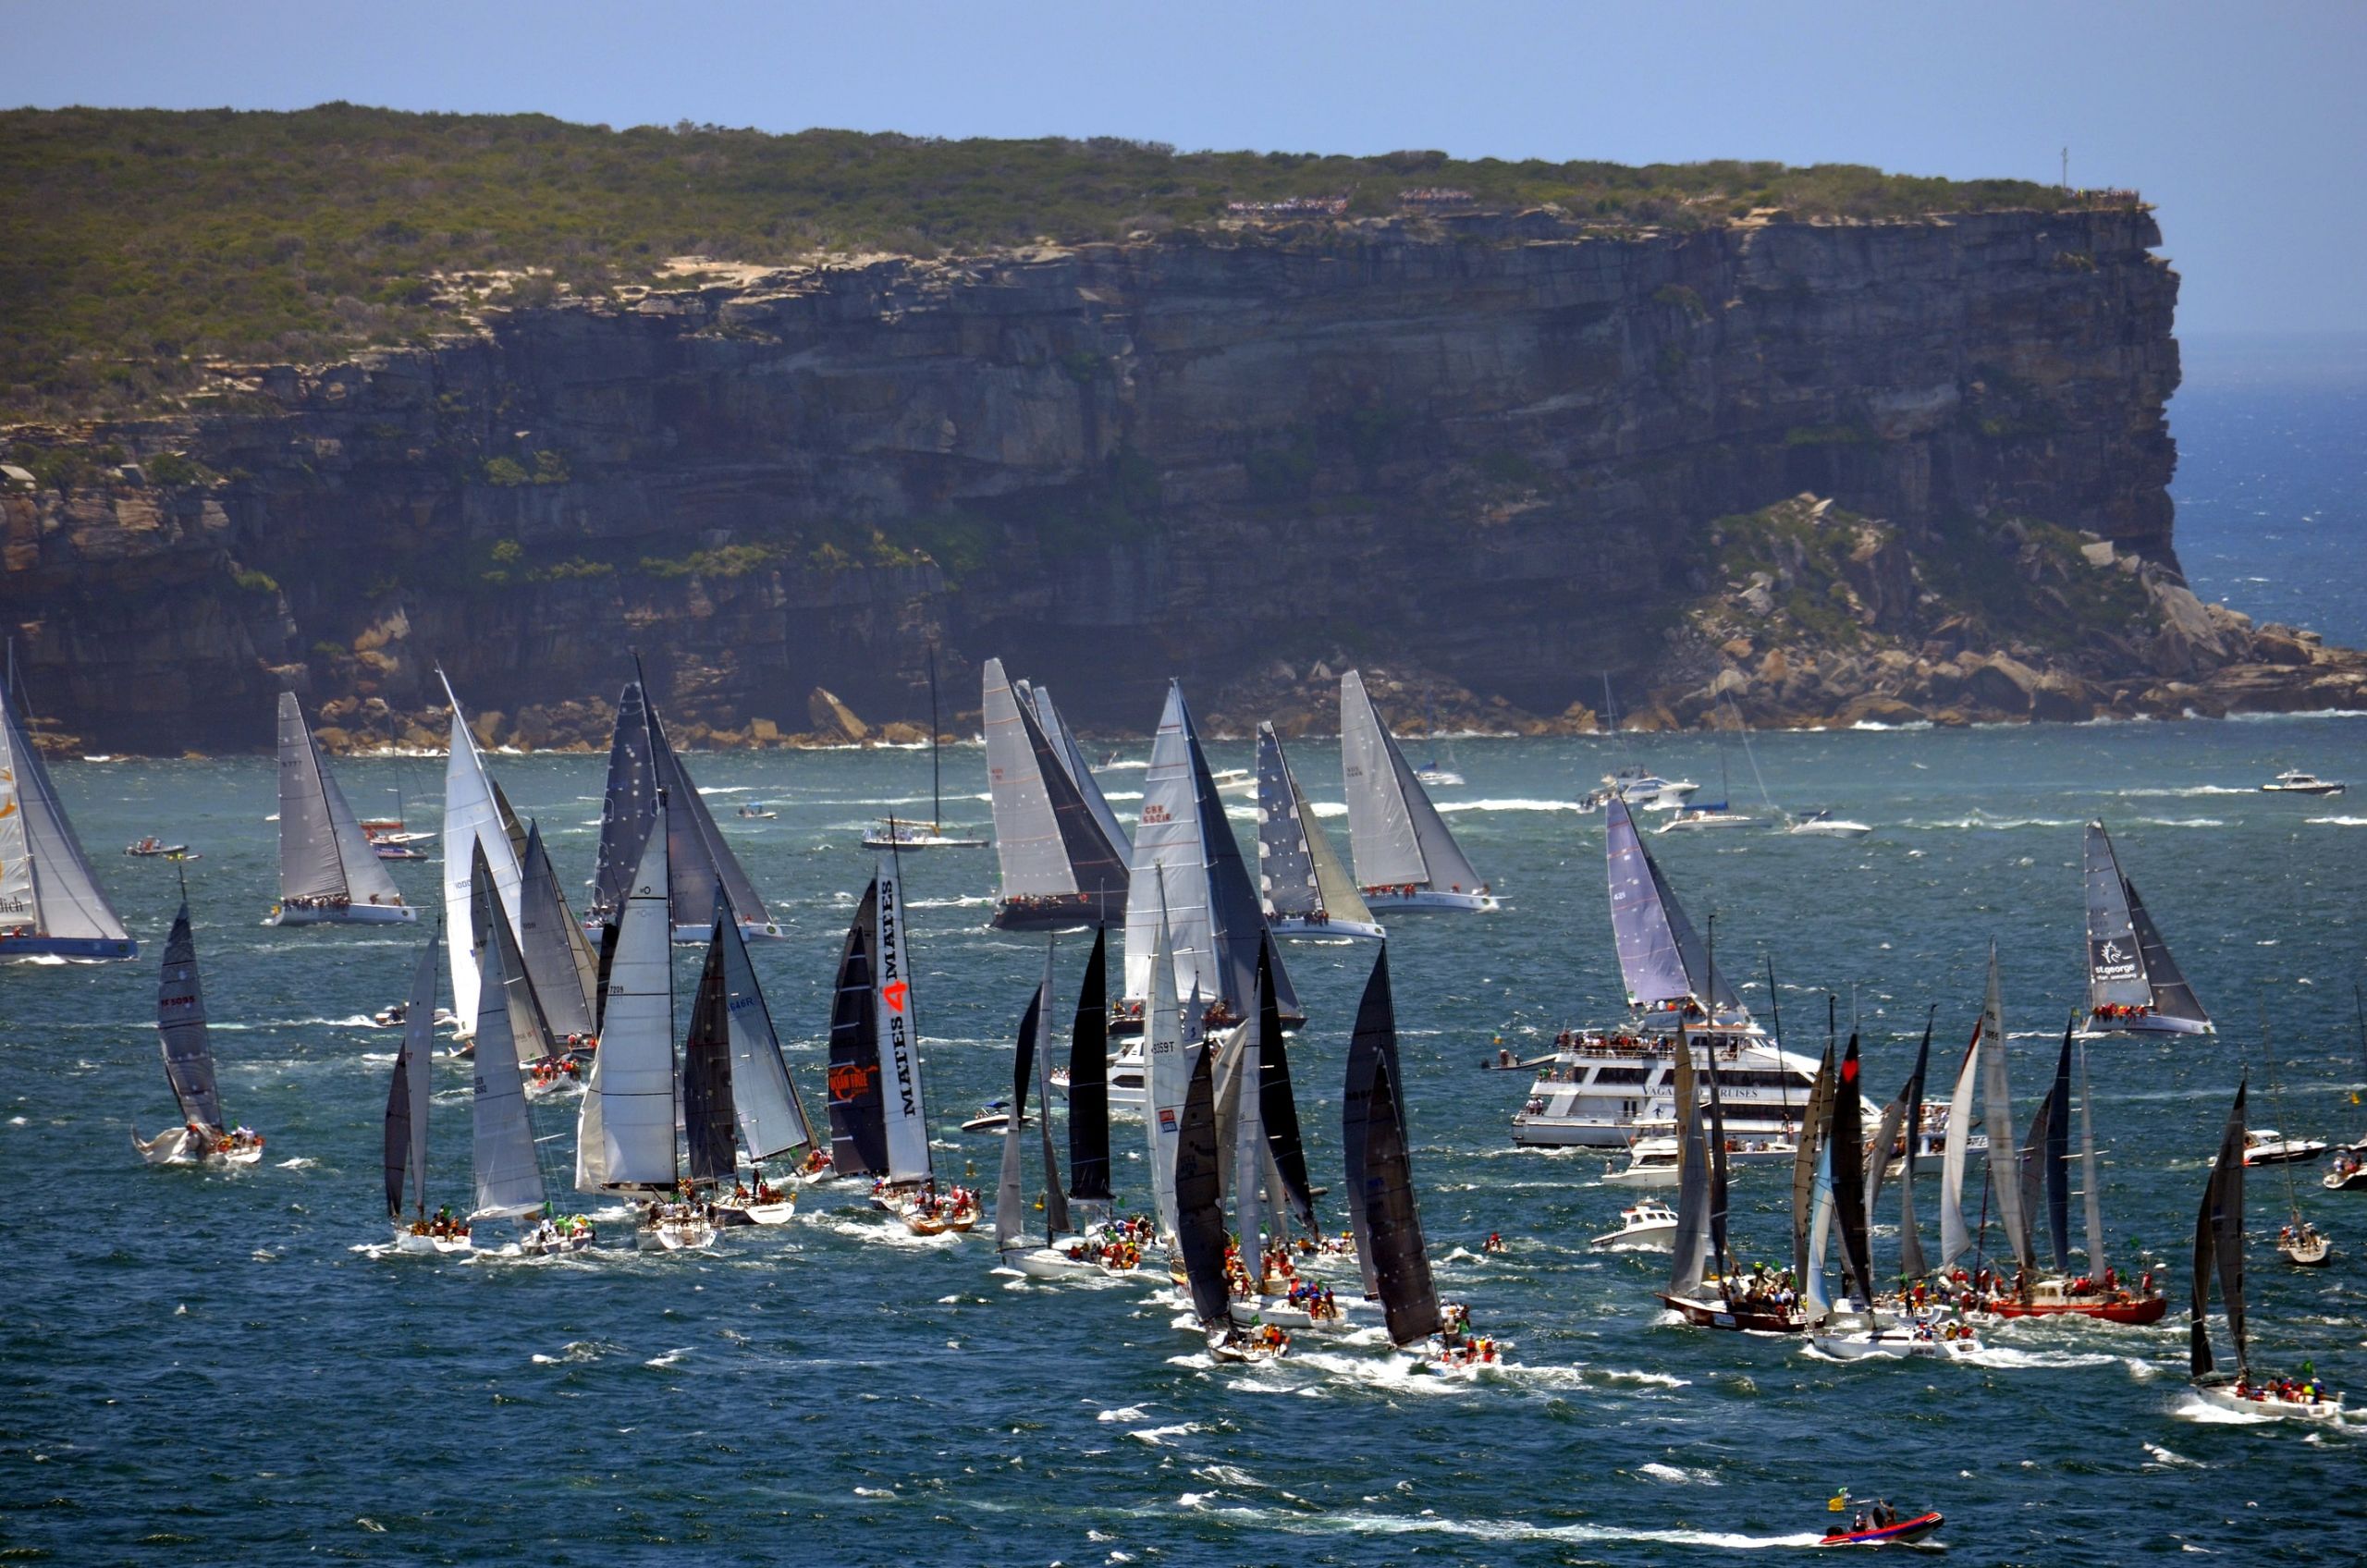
1490, 452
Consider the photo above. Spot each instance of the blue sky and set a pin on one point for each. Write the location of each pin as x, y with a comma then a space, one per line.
2246, 124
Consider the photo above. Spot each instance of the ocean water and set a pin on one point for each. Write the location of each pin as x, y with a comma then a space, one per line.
217, 1367
196, 1359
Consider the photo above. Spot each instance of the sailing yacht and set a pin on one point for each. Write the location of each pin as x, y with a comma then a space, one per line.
1600, 1085
894, 833
1031, 1068
734, 1075
2219, 1249
1706, 1286
51, 905
329, 874
1185, 844
641, 765
1199, 1229
406, 1121
1061, 857
470, 818
1305, 890
509, 1027
624, 1139
1406, 857
204, 1136
2134, 985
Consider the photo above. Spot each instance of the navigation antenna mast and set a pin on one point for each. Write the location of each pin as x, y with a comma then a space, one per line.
2066, 168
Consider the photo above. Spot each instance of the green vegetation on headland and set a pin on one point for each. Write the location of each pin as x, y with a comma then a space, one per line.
137, 244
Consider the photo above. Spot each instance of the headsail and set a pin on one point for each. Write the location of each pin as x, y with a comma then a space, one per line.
407, 1096
1997, 1110
323, 854
1661, 958
2091, 1174
180, 1030
1249, 1156
1298, 872
858, 1114
1010, 1200
469, 819
1911, 1262
1848, 1152
2058, 1155
627, 807
1278, 1105
507, 1181
2219, 1244
1381, 1210
558, 960
1814, 1125
709, 1116
2133, 983
45, 881
1089, 1081
1396, 834
1060, 864
1167, 1074
764, 1096
625, 1132
697, 858
1199, 1213
907, 1109
1055, 729
1690, 1249
1954, 1240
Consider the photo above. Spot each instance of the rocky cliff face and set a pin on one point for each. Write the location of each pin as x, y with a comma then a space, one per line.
1490, 451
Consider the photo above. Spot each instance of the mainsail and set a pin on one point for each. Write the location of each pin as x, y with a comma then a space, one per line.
1997, 1110
858, 1114
1060, 864
1167, 1074
1010, 1200
407, 1096
1397, 835
49, 900
1089, 1081
1373, 1135
642, 765
507, 1181
625, 1132
1250, 1158
1278, 1105
1849, 1153
558, 960
628, 805
709, 1116
1212, 912
180, 1030
2219, 1244
2133, 983
2091, 1174
1954, 1240
1814, 1125
2058, 1155
907, 1109
469, 819
1690, 1249
1661, 958
1298, 872
322, 852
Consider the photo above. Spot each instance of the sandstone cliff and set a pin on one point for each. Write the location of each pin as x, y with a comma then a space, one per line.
1490, 452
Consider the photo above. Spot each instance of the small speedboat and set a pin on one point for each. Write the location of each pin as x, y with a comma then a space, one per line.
1652, 1162
2345, 1172
1434, 777
757, 811
2298, 783
1239, 780
385, 850
152, 845
895, 835
993, 1116
1647, 1225
2266, 1145
1824, 825
1701, 818
1898, 1532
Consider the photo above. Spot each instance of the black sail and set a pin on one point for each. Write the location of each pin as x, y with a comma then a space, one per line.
2031, 1170
2219, 1244
1382, 1209
1911, 1262
709, 1124
1277, 1106
1089, 1081
858, 1113
397, 1153
1718, 1171
1849, 1175
2058, 1155
1200, 1211
628, 805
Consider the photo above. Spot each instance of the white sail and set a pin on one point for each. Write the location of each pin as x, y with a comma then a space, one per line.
558, 960
1997, 1110
16, 905
1298, 872
417, 1064
507, 1181
2090, 1175
1249, 1153
1169, 849
470, 818
63, 897
1396, 836
1814, 1298
1033, 862
625, 1132
1166, 1077
909, 1161
772, 1120
1954, 1240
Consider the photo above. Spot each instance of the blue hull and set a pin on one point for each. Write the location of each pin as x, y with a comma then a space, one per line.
68, 947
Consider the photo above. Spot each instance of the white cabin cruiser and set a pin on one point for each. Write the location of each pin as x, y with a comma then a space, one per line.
2266, 1145
1649, 1225
2294, 782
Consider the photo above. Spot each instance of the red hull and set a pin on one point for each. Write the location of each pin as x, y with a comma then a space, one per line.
1900, 1534
2149, 1310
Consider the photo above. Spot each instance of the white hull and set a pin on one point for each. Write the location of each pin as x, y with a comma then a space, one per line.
777, 1213
1828, 829
1704, 821
1298, 925
175, 1146
674, 1235
1597, 1096
346, 915
697, 936
2225, 1398
1377, 900
1893, 1344
534, 1245
1647, 1226
1050, 1263
414, 1245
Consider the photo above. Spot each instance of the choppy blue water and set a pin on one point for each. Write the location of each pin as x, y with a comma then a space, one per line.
208, 1368
196, 1360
